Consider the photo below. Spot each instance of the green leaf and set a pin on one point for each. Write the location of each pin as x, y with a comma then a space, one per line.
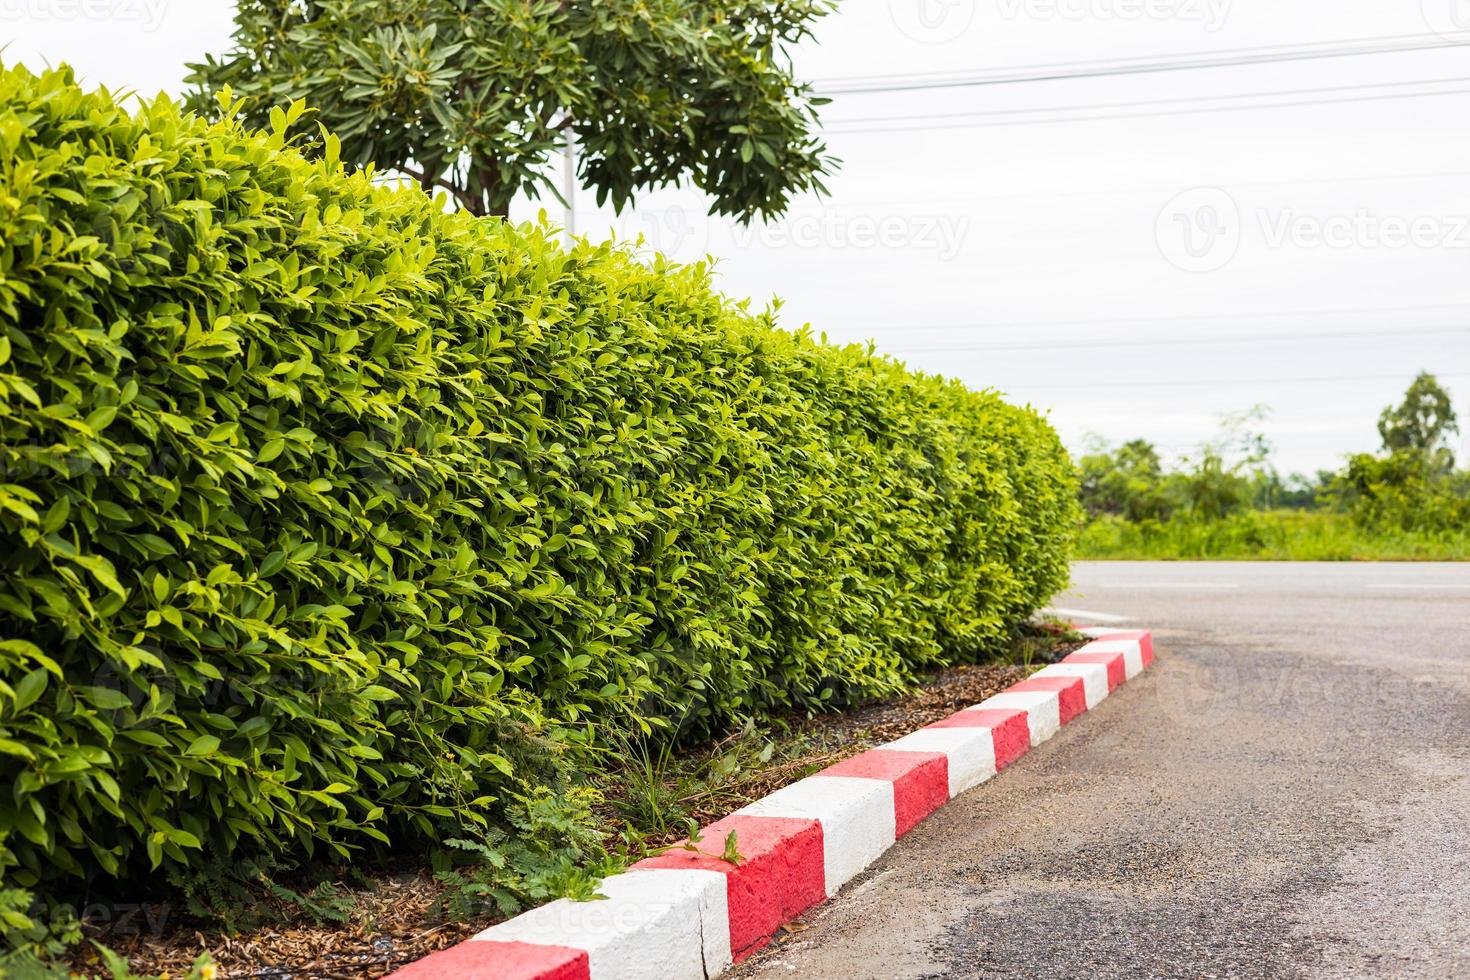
28, 689
56, 516
203, 745
106, 698
273, 563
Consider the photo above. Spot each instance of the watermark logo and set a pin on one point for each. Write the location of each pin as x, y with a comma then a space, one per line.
1210, 14
675, 231
1204, 696
932, 21
148, 14
834, 229
1203, 229
1450, 18
1364, 229
685, 235
1199, 230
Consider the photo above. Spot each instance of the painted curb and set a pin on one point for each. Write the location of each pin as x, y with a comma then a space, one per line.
691, 916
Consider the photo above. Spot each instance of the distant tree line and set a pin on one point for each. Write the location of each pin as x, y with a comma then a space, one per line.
1410, 484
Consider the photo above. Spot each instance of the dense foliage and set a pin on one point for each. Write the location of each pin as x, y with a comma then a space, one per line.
328, 517
479, 96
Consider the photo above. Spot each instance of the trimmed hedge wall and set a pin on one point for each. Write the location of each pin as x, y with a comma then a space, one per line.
326, 515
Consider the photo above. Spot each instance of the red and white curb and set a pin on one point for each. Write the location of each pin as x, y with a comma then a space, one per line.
689, 916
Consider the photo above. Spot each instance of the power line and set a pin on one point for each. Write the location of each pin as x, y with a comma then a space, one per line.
1227, 58
1374, 44
1199, 383
949, 203
1174, 320
1188, 100
1181, 341
1049, 119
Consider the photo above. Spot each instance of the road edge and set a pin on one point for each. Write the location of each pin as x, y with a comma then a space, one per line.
691, 915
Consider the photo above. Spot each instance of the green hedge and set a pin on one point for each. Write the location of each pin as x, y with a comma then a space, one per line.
327, 515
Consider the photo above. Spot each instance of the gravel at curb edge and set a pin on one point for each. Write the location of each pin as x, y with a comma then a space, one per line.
690, 916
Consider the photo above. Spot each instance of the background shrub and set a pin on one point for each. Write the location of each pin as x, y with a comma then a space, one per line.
331, 519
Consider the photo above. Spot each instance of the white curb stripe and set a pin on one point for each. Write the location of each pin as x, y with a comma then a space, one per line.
857, 818
1043, 711
1094, 679
970, 752
655, 925
1130, 649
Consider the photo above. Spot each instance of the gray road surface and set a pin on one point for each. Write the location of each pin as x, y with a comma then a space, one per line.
1286, 793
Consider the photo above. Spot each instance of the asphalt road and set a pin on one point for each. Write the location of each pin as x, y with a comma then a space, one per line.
1285, 793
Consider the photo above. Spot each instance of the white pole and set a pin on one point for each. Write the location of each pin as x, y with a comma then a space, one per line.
569, 188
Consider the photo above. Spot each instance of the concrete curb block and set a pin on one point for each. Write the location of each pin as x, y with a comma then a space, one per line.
690, 916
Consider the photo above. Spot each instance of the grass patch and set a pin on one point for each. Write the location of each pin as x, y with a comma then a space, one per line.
1266, 536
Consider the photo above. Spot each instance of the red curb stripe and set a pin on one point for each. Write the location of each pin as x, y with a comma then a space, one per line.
478, 959
1071, 693
920, 781
780, 875
1117, 669
1008, 727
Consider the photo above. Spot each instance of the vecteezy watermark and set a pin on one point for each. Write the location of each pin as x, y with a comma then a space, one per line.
1216, 691
683, 234
1447, 17
835, 229
932, 21
1211, 14
116, 920
1202, 229
1364, 230
675, 231
1199, 230
148, 14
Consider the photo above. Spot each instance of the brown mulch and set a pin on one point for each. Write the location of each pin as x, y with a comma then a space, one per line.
393, 924
394, 919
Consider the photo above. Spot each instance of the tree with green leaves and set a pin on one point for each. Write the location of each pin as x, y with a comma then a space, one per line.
1412, 485
477, 97
1423, 421
1128, 482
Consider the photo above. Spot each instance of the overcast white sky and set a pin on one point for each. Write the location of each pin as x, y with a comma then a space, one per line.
1137, 274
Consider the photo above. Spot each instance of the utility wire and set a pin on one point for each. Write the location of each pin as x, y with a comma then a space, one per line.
1004, 118
1181, 341
1373, 44
1228, 58
1187, 100
949, 203
1193, 317
1219, 382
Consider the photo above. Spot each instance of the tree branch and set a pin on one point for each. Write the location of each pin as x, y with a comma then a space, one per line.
426, 181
